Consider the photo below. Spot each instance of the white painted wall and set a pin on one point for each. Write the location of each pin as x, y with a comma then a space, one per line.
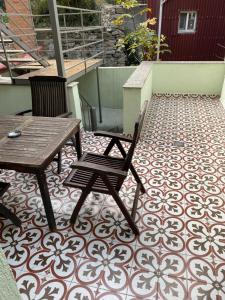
136, 91
188, 77
222, 98
14, 98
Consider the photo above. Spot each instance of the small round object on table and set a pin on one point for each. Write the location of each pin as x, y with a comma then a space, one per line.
14, 134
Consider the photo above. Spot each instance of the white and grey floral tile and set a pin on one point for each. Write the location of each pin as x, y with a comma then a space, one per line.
180, 252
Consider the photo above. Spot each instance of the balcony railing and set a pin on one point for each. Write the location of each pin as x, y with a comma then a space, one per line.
66, 26
59, 32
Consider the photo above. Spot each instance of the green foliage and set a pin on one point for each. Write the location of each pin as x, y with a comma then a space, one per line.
127, 3
142, 42
4, 18
41, 6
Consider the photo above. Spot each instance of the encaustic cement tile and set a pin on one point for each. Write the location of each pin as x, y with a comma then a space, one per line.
180, 251
57, 254
41, 286
109, 265
80, 291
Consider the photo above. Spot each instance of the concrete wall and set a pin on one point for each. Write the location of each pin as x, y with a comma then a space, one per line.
129, 87
74, 104
14, 98
136, 91
111, 81
222, 98
146, 91
188, 77
88, 87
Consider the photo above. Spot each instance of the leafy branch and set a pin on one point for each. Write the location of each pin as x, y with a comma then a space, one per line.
141, 43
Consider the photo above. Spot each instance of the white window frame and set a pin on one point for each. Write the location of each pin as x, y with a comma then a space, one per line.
186, 30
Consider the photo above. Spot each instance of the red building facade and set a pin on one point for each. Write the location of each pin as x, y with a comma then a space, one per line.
195, 29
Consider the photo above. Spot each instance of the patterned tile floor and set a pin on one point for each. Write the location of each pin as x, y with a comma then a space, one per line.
180, 253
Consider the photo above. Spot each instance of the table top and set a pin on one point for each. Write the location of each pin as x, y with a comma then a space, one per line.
40, 140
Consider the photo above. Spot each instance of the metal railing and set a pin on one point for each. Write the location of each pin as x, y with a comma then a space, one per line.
6, 56
23, 39
59, 31
89, 116
66, 26
24, 17
17, 39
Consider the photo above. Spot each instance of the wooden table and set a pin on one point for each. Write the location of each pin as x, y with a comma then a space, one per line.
33, 151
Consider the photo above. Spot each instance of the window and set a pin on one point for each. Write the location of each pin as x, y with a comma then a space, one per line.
187, 22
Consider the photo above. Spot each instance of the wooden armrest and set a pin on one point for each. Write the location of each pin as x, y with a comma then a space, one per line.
98, 169
65, 115
21, 113
113, 135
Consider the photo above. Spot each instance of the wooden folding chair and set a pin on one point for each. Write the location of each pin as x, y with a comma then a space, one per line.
5, 211
106, 174
49, 99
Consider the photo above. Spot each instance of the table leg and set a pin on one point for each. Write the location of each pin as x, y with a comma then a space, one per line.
78, 145
42, 182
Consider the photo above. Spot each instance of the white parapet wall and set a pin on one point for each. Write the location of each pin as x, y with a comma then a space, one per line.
74, 104
195, 77
111, 81
188, 77
15, 98
222, 98
136, 91
128, 87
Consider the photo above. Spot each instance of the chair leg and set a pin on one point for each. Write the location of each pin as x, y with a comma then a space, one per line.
137, 178
9, 215
136, 196
82, 198
133, 171
122, 207
59, 162
78, 146
3, 187
109, 147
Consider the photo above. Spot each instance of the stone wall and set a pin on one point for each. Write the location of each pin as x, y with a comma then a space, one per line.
112, 56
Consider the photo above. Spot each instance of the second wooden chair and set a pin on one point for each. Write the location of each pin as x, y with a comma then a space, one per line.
106, 174
49, 99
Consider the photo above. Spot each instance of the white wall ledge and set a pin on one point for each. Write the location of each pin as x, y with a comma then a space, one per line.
136, 91
139, 76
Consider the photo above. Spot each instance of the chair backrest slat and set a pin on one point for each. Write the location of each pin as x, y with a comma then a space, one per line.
49, 97
137, 132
